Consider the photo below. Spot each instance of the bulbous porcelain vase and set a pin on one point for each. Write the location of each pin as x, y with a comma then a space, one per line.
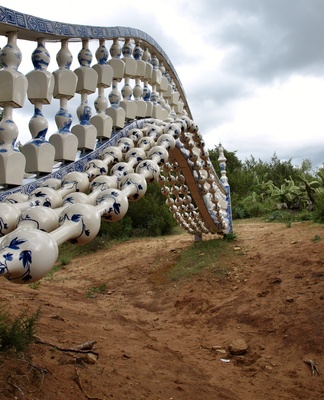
27, 255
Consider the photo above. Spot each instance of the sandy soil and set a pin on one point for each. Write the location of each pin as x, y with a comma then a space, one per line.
160, 340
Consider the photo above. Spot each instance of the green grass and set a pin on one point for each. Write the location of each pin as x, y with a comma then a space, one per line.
68, 251
57, 267
96, 290
35, 285
316, 238
16, 333
288, 217
202, 256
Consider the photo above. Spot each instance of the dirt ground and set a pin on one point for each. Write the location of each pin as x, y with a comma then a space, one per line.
159, 339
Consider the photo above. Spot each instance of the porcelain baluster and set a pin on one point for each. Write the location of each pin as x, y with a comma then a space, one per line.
102, 121
100, 184
173, 99
112, 203
157, 111
97, 167
167, 95
27, 255
39, 152
135, 134
65, 143
117, 113
87, 84
162, 88
13, 89
139, 76
41, 196
128, 104
146, 80
74, 182
9, 218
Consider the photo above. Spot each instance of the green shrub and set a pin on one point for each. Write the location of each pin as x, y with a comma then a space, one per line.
16, 333
239, 212
121, 229
148, 216
96, 289
316, 238
318, 211
251, 209
305, 215
276, 216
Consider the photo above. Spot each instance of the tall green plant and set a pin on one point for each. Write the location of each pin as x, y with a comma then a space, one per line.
318, 212
311, 187
16, 332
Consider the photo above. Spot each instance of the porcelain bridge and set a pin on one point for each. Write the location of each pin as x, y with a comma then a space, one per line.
121, 123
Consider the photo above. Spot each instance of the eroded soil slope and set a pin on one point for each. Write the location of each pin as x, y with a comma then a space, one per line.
160, 339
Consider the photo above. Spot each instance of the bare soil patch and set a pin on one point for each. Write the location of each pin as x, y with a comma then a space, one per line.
159, 339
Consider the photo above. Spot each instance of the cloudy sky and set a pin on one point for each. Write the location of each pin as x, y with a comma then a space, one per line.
252, 70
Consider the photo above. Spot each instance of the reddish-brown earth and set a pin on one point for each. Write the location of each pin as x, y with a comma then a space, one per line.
159, 339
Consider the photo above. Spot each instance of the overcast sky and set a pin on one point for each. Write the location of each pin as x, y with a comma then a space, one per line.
253, 70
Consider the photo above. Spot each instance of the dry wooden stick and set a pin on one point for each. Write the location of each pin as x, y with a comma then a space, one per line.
313, 366
83, 348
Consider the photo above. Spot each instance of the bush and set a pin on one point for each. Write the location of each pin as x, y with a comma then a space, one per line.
121, 229
148, 216
16, 333
250, 209
318, 211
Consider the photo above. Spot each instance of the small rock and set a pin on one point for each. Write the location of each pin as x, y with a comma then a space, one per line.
90, 358
289, 299
238, 347
276, 280
216, 348
264, 293
221, 351
56, 316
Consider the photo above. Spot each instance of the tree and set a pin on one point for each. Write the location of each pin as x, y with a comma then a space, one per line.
240, 180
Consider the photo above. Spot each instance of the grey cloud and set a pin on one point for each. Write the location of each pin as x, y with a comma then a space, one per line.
267, 39
218, 89
264, 149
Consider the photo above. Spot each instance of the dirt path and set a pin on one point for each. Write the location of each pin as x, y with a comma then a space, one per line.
158, 339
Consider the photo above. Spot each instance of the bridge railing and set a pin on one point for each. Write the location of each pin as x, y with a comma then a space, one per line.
133, 126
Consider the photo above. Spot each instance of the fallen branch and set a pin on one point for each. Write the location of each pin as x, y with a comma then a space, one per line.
86, 345
83, 348
313, 366
16, 387
78, 381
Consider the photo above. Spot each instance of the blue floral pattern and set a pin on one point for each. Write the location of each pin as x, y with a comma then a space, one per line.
25, 256
76, 218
